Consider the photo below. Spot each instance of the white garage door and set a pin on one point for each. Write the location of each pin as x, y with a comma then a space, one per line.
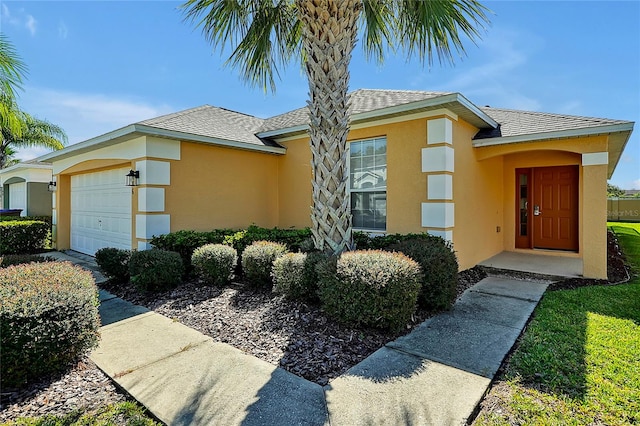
100, 211
18, 197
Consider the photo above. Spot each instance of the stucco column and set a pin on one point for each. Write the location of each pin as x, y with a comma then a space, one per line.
594, 221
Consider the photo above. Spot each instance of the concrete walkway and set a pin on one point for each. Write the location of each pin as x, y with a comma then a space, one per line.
436, 375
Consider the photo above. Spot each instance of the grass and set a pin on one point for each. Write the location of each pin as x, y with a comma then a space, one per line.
578, 361
124, 413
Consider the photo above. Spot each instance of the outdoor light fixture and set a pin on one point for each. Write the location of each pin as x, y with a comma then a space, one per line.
132, 178
52, 186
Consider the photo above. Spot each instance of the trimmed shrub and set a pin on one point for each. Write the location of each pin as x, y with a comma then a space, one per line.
439, 267
155, 270
294, 275
24, 236
48, 319
185, 242
19, 259
370, 288
114, 263
46, 219
257, 260
215, 263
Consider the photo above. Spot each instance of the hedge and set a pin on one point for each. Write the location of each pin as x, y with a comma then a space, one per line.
186, 241
48, 319
155, 270
439, 267
257, 262
24, 236
370, 288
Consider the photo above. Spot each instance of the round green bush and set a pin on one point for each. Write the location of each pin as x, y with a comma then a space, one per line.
257, 260
215, 263
370, 288
48, 319
114, 263
294, 275
439, 268
155, 270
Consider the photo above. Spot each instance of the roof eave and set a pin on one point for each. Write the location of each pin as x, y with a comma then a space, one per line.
394, 111
173, 134
561, 134
25, 166
116, 136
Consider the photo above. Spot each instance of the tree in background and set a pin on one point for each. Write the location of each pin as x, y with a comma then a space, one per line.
19, 129
614, 191
267, 34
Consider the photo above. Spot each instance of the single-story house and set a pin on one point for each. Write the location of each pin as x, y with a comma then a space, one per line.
25, 187
487, 179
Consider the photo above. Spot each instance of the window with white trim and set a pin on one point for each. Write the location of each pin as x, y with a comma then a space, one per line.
368, 184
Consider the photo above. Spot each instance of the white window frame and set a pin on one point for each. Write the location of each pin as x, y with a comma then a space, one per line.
370, 232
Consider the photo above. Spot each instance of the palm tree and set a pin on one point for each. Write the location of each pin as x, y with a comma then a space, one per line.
266, 34
27, 131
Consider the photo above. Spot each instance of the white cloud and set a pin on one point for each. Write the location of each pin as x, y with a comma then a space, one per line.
30, 24
84, 115
21, 19
63, 31
635, 184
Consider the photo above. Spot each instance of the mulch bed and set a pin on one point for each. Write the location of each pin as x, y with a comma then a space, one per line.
295, 336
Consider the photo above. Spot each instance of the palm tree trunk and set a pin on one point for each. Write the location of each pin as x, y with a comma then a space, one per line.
329, 35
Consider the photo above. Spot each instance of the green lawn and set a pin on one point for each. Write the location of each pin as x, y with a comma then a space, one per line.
128, 413
579, 360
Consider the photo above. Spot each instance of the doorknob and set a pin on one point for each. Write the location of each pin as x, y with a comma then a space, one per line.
536, 210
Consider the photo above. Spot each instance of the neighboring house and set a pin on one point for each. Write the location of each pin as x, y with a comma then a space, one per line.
488, 179
25, 187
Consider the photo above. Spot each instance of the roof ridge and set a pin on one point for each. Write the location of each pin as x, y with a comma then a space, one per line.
164, 117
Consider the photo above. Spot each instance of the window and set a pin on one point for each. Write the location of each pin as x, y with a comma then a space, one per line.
368, 184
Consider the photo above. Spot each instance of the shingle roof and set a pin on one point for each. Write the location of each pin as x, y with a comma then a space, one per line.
213, 122
362, 100
518, 123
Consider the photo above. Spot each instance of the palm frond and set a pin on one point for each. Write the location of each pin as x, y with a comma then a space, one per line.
263, 34
378, 23
434, 27
12, 68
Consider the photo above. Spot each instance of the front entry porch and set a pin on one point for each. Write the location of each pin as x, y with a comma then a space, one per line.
535, 263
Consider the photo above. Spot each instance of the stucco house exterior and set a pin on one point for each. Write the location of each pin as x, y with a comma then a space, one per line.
488, 179
25, 187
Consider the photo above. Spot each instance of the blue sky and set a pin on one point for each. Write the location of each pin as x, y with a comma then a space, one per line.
98, 66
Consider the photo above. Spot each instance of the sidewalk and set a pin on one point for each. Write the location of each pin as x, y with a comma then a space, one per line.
436, 375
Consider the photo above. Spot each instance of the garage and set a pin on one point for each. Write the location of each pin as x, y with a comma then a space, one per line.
18, 197
100, 211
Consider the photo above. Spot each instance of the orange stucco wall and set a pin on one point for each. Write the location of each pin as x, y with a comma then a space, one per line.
406, 184
478, 193
592, 191
214, 187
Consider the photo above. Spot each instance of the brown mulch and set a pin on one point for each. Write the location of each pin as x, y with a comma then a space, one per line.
296, 336
84, 387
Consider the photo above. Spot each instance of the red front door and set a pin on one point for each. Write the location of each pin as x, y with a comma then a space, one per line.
554, 208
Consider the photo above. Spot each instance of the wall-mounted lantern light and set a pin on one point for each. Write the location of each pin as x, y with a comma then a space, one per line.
132, 178
52, 186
